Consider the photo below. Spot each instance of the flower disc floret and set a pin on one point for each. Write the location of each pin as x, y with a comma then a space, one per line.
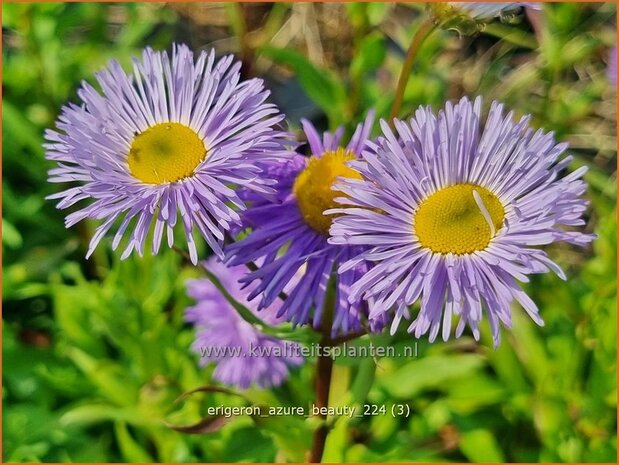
459, 219
165, 152
313, 187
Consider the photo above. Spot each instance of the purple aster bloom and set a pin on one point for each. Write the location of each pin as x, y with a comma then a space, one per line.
470, 17
290, 234
489, 10
453, 215
243, 355
174, 136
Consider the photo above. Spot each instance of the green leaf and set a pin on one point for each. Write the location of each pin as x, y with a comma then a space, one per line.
10, 235
480, 446
291, 435
472, 392
248, 444
337, 441
435, 371
245, 313
371, 54
210, 389
511, 34
377, 11
93, 413
281, 332
204, 426
363, 380
321, 85
109, 378
355, 351
19, 130
131, 450
73, 307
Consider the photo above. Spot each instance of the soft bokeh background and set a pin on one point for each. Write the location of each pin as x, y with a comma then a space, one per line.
95, 352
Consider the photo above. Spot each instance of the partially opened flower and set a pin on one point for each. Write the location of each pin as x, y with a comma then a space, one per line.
469, 17
173, 137
489, 10
244, 356
290, 233
454, 213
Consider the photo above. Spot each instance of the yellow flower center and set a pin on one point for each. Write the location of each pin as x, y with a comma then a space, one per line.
459, 219
166, 152
313, 187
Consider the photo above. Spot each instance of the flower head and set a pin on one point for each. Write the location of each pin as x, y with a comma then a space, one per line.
489, 10
453, 214
290, 233
243, 355
174, 136
470, 17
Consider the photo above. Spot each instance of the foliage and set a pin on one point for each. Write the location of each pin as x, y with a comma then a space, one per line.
95, 354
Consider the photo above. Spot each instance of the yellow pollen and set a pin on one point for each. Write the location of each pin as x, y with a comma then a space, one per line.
452, 221
166, 152
313, 187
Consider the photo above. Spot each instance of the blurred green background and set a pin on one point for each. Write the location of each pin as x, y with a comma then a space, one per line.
95, 352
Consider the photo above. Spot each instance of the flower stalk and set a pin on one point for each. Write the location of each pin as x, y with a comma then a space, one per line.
324, 370
413, 49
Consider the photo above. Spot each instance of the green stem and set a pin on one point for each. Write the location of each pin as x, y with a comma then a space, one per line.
413, 49
251, 265
236, 13
360, 29
324, 370
347, 337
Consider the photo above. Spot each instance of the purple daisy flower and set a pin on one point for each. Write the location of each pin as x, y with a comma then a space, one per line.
470, 17
243, 355
172, 137
453, 213
484, 11
290, 234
